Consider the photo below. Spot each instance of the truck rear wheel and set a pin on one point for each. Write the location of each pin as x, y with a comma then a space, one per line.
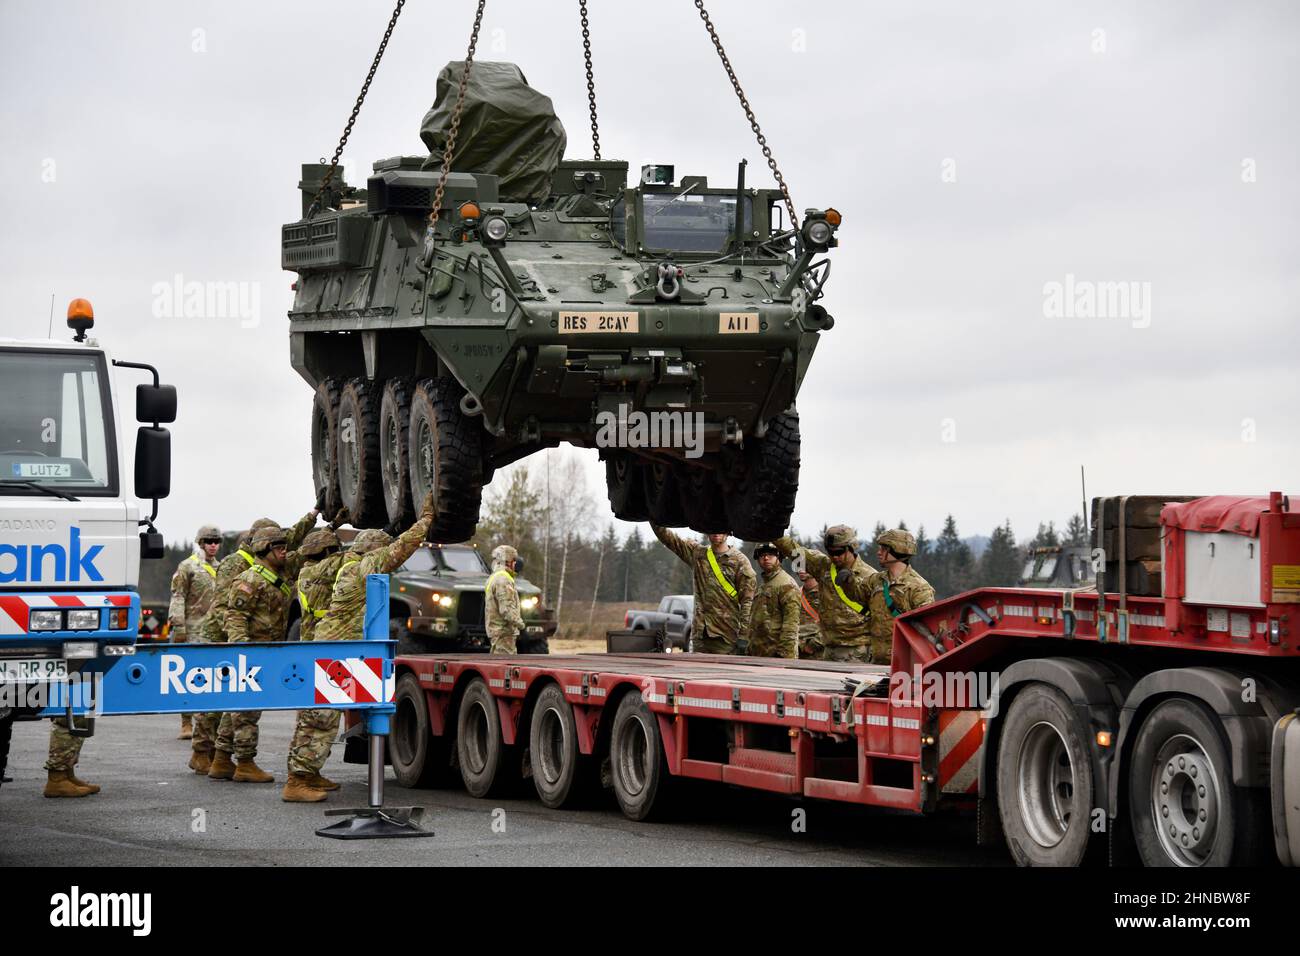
419, 758
662, 503
482, 755
1185, 809
625, 484
558, 765
1045, 785
637, 762
760, 508
394, 446
446, 457
358, 454
324, 443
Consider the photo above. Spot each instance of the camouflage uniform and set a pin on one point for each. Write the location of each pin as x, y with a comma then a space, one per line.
65, 749
213, 629
314, 733
810, 629
193, 587
774, 628
886, 598
258, 612
720, 619
501, 603
843, 627
315, 585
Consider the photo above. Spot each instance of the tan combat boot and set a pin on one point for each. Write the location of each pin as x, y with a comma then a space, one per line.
187, 729
72, 775
60, 784
247, 771
317, 782
201, 761
222, 767
298, 789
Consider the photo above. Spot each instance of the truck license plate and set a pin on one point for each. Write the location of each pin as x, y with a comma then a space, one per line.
33, 671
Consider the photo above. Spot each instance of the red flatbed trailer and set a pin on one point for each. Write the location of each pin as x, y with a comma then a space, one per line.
1165, 724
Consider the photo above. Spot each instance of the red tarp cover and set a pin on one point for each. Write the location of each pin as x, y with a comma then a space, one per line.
1230, 513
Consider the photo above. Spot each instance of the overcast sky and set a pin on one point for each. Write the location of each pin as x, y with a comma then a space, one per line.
979, 154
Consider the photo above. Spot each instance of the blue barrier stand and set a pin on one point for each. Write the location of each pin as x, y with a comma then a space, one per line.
195, 678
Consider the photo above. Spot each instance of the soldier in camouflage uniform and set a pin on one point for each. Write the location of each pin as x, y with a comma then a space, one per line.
65, 751
258, 610
213, 629
774, 627
373, 552
724, 584
193, 586
810, 618
843, 620
322, 557
892, 591
501, 601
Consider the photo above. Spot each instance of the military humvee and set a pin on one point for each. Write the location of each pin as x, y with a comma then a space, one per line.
645, 318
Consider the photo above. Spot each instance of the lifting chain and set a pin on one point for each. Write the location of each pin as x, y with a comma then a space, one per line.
749, 113
454, 128
356, 108
591, 80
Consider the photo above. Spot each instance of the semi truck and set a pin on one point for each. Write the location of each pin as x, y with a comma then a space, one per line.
1154, 725
71, 536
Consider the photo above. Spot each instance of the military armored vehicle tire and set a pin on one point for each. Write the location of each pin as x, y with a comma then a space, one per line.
394, 449
324, 443
663, 506
760, 508
446, 457
360, 485
625, 483
701, 500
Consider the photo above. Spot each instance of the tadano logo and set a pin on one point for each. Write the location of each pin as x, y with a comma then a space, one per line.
30, 562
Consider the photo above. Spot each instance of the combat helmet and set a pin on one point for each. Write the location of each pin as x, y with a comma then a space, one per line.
900, 542
267, 537
371, 540
207, 531
318, 542
766, 547
503, 554
840, 536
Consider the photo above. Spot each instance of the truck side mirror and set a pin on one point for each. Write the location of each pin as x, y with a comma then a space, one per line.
153, 461
156, 404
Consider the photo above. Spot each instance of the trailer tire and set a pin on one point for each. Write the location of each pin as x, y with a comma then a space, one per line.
1185, 809
482, 755
1045, 782
559, 767
637, 762
360, 484
419, 759
324, 443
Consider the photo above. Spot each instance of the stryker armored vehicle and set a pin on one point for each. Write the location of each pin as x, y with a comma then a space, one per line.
556, 302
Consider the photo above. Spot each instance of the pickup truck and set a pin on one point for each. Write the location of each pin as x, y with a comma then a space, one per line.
675, 614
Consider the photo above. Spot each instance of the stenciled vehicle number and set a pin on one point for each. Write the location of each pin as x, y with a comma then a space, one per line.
33, 671
599, 322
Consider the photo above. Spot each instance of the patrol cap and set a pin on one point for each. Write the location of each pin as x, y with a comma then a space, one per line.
898, 541
370, 540
766, 547
208, 532
267, 538
840, 536
318, 542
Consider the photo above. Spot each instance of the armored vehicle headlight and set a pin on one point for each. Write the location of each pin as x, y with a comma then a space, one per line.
818, 232
83, 619
496, 228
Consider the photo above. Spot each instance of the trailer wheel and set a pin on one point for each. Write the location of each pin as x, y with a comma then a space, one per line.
446, 457
358, 454
625, 485
1045, 785
394, 469
637, 762
1185, 809
558, 764
324, 443
479, 748
419, 759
